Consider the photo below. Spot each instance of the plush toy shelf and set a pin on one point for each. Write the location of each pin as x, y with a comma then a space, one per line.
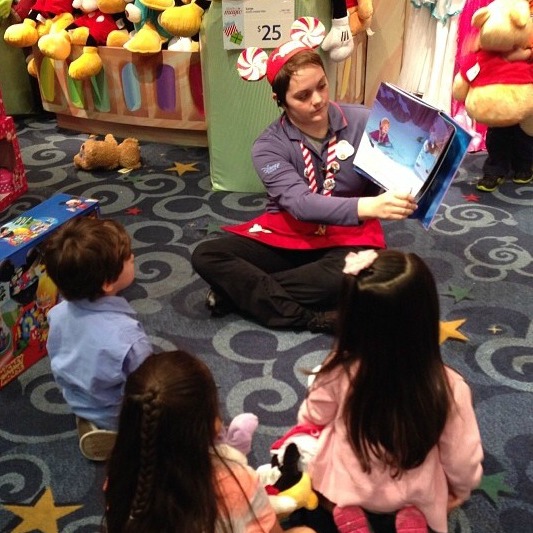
155, 97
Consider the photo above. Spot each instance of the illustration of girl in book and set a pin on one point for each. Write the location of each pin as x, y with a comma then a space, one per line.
381, 135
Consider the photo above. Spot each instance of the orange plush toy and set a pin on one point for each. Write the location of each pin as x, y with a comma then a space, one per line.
360, 15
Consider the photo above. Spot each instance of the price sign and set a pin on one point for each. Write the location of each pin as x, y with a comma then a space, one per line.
261, 23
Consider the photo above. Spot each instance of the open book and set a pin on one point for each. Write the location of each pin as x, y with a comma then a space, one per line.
411, 146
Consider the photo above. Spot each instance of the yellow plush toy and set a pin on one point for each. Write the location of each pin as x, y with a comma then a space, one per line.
288, 488
96, 25
30, 30
359, 15
496, 81
162, 21
184, 21
108, 154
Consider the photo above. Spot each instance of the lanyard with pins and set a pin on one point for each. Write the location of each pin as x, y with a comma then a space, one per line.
329, 179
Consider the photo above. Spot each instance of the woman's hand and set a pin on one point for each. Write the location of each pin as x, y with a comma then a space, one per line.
390, 205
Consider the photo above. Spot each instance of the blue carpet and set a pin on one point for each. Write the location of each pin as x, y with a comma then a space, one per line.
479, 248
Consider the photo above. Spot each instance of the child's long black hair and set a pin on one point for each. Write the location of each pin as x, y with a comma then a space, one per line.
399, 399
160, 474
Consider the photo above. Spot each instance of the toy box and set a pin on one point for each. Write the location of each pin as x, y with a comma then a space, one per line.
26, 292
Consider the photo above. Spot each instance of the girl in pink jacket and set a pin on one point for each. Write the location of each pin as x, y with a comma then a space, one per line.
400, 432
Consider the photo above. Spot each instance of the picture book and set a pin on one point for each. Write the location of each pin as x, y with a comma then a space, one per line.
411, 146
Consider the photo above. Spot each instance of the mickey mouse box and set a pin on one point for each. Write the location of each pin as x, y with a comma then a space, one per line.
26, 292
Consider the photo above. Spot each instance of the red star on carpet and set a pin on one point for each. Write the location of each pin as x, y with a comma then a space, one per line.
471, 197
133, 211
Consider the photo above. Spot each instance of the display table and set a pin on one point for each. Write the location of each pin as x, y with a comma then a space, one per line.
156, 97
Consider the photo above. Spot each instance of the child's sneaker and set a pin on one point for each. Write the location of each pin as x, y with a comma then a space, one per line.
410, 520
350, 519
522, 178
95, 444
489, 183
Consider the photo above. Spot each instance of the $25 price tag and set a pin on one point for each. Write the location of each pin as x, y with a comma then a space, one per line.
261, 23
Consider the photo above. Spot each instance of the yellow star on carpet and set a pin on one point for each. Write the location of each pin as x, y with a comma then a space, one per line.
181, 168
448, 330
42, 515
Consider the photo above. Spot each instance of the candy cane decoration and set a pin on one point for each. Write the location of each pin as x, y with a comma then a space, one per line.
253, 62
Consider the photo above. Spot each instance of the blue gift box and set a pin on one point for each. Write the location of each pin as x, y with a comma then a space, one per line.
26, 292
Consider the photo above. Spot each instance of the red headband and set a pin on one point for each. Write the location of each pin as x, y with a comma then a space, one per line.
253, 64
281, 55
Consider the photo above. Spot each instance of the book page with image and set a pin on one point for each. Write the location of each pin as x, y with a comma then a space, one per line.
404, 140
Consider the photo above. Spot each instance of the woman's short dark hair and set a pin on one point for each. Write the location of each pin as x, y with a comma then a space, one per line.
302, 59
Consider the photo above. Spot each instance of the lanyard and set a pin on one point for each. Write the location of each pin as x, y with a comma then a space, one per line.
329, 179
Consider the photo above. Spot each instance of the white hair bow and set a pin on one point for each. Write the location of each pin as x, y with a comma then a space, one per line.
357, 261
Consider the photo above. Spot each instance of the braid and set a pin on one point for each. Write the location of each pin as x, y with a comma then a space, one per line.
151, 411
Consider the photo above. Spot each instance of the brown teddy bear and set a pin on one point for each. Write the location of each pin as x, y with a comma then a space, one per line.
108, 154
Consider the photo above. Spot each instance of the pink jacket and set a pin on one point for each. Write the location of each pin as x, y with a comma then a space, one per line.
454, 462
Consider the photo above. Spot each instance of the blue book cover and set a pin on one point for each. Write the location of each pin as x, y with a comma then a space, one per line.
411, 146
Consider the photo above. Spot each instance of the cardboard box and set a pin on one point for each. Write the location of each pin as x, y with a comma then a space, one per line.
26, 292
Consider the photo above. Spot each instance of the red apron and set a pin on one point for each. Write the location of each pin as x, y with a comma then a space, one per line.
281, 230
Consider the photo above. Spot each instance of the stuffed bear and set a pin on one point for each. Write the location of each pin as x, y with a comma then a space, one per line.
108, 154
496, 81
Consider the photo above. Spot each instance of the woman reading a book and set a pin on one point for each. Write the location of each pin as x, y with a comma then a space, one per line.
284, 268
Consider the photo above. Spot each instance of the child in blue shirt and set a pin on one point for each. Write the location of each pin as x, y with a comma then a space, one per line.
94, 341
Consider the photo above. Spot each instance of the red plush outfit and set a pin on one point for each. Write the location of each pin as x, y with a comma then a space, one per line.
22, 9
100, 25
494, 69
53, 7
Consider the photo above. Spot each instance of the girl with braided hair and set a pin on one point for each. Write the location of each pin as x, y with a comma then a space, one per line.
166, 472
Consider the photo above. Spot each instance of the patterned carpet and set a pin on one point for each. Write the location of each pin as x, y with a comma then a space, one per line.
479, 248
